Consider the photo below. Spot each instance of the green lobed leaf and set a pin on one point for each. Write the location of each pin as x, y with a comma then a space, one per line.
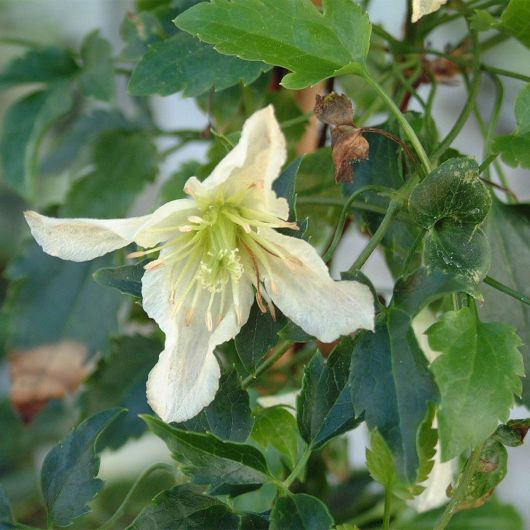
508, 231
39, 65
458, 249
452, 192
50, 299
257, 337
183, 63
300, 512
325, 405
119, 381
127, 279
124, 163
384, 363
294, 34
226, 467
25, 124
185, 506
97, 75
516, 20
228, 416
68, 473
276, 427
522, 110
477, 373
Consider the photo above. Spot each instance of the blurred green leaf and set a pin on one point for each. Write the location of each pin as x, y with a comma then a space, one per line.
126, 278
125, 162
482, 20
300, 512
185, 506
226, 467
97, 75
325, 406
515, 19
257, 337
25, 124
477, 373
6, 515
138, 30
39, 65
508, 231
228, 416
276, 427
119, 381
314, 45
492, 515
68, 473
183, 63
50, 299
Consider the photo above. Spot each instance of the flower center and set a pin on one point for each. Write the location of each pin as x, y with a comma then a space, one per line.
212, 251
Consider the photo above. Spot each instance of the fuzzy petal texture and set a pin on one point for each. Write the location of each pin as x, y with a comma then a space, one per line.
305, 292
254, 162
86, 239
186, 376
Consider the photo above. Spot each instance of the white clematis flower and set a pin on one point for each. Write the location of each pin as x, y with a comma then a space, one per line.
218, 250
420, 8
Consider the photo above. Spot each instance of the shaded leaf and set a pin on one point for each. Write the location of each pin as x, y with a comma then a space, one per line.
185, 506
6, 515
508, 231
50, 299
477, 373
228, 416
124, 163
68, 473
294, 34
138, 30
325, 406
25, 124
119, 381
39, 65
300, 512
126, 278
257, 337
183, 63
227, 467
97, 75
513, 433
384, 363
276, 427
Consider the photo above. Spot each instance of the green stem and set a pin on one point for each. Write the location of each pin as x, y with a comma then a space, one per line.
275, 354
110, 524
507, 290
342, 219
393, 207
468, 107
405, 125
387, 512
461, 489
299, 467
412, 251
505, 73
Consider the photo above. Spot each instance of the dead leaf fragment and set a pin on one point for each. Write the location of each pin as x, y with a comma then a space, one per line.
334, 109
349, 146
47, 372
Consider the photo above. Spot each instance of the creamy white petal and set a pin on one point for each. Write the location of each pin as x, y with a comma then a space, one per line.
421, 8
254, 163
303, 290
186, 376
86, 239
